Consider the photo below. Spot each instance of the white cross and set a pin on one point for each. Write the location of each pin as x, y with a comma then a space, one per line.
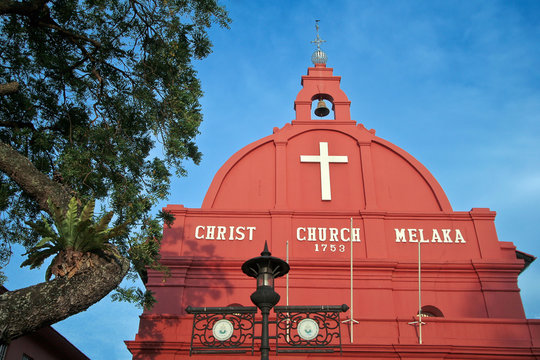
324, 159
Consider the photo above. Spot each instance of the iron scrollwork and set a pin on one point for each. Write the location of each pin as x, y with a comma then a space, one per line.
222, 329
308, 328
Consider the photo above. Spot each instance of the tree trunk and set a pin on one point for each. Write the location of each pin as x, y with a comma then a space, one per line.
31, 180
29, 309
9, 88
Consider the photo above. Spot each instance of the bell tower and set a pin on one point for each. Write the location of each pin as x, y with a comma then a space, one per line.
320, 84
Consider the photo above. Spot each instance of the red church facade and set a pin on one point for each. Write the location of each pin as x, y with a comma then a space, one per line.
298, 189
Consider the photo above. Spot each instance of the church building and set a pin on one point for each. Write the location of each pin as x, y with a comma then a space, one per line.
360, 222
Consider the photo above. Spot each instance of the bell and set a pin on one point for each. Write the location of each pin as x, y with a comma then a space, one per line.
321, 109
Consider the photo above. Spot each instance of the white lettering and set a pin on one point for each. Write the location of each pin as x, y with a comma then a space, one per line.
436, 236
449, 236
298, 237
421, 231
240, 233
459, 237
412, 236
446, 234
251, 229
322, 234
356, 235
311, 234
221, 232
197, 234
210, 232
343, 230
400, 235
333, 234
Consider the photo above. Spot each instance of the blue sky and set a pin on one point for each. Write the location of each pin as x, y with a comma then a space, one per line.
454, 83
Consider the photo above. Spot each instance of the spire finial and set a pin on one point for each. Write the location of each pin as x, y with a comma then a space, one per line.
318, 41
319, 56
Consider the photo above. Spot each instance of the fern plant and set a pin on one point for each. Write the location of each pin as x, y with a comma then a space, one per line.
75, 239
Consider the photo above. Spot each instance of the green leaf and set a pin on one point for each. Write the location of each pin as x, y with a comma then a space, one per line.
88, 211
104, 222
48, 272
69, 224
44, 241
36, 258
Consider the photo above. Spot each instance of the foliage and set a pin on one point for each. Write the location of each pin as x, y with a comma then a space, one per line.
71, 231
100, 85
143, 299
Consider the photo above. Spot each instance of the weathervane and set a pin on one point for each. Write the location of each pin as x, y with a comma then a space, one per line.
318, 39
319, 56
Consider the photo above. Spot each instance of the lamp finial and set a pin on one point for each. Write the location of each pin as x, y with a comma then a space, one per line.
265, 252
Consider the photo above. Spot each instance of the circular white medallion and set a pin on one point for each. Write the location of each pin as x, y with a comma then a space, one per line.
223, 330
308, 329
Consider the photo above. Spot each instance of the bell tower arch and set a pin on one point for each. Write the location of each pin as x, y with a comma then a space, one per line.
321, 84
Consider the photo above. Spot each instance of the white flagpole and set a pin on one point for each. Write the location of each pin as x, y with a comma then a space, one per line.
287, 283
419, 295
287, 292
419, 321
352, 287
351, 320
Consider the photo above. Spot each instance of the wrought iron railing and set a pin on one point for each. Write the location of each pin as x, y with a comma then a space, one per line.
308, 328
222, 329
299, 329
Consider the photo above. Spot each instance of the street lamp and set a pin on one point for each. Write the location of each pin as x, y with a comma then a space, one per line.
265, 269
228, 329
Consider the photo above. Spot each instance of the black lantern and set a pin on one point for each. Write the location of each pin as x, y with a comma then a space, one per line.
265, 269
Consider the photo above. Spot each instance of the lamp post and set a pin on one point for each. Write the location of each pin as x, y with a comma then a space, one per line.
265, 269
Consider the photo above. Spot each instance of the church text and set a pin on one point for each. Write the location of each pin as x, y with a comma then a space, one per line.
434, 236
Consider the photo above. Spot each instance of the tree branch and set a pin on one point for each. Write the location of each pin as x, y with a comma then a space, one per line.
26, 310
26, 8
51, 24
38, 11
31, 180
9, 88
17, 125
